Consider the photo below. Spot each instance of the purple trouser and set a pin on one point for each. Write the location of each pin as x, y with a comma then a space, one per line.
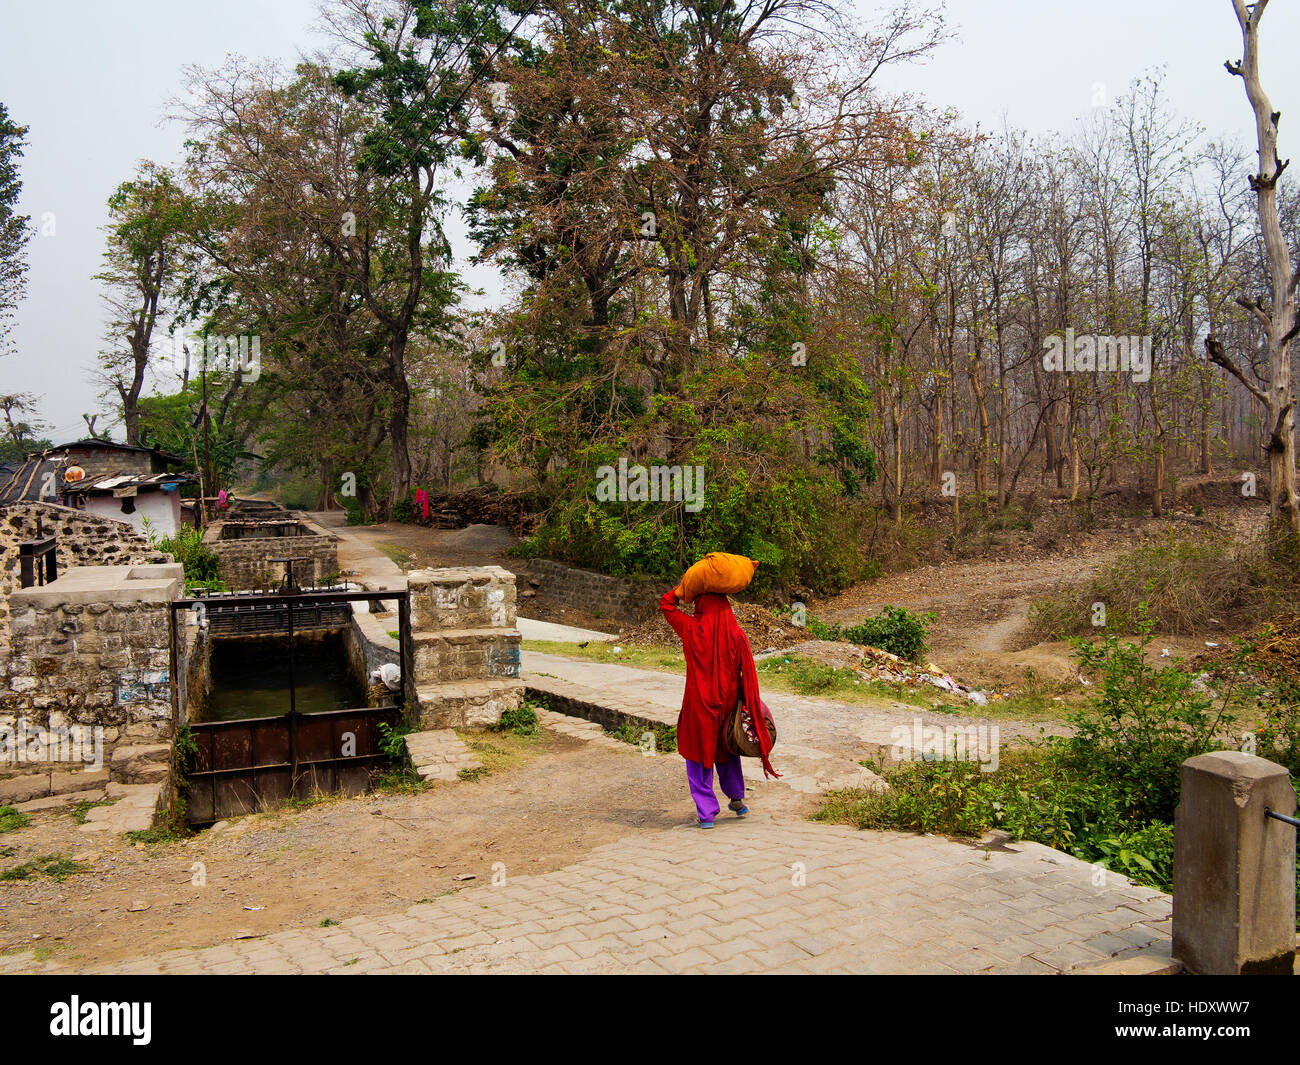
701, 781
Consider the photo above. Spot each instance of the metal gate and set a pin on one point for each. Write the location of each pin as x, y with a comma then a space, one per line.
244, 765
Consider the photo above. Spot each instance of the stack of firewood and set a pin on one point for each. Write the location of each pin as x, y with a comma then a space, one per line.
486, 505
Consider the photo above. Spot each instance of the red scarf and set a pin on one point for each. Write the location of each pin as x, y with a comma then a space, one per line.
719, 666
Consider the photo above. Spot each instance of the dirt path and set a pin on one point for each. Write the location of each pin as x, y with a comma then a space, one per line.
982, 605
346, 856
415, 547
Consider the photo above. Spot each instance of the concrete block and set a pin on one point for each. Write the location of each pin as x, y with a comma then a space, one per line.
1234, 869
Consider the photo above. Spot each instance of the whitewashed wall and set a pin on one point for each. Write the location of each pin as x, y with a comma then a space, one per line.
163, 509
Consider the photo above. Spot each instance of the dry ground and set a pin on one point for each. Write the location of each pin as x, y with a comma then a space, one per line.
981, 603
557, 800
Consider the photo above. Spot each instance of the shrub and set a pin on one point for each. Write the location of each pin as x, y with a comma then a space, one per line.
895, 629
1145, 854
521, 720
1278, 734
195, 557
1141, 725
1183, 581
1106, 794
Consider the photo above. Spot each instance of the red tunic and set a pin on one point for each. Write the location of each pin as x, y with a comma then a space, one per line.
718, 661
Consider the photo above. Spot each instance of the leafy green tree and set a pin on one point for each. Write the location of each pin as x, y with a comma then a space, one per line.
666, 238
15, 231
148, 218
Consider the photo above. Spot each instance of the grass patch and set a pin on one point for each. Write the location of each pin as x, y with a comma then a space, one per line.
297, 802
520, 720
57, 867
503, 751
400, 555
400, 780
159, 834
634, 733
1187, 583
667, 658
11, 819
81, 809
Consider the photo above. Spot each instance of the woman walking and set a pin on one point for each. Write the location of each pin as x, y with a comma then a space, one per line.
718, 662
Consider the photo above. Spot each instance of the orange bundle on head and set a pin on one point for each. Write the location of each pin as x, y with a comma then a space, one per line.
717, 572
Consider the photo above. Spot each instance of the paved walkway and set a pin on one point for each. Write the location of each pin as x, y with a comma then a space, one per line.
819, 741
553, 631
758, 895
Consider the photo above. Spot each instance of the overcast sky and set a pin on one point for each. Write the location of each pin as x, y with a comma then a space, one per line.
91, 78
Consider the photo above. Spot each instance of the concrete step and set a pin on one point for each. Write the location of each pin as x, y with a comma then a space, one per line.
25, 787
467, 654
467, 703
133, 809
144, 764
462, 597
439, 754
60, 802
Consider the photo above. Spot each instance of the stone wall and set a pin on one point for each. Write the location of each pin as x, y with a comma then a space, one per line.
368, 646
194, 667
601, 596
83, 540
465, 646
92, 652
243, 564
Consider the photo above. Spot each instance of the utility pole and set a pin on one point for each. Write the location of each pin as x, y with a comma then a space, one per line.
207, 487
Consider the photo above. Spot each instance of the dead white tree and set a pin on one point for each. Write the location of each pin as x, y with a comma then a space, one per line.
1278, 320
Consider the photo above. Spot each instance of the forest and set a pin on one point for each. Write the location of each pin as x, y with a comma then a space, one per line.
722, 246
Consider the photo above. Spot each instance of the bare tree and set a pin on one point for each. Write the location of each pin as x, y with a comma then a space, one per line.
1279, 319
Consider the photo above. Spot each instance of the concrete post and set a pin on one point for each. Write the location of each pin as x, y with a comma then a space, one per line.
465, 656
1234, 868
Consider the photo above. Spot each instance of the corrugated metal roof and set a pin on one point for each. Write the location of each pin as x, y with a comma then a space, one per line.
110, 481
29, 480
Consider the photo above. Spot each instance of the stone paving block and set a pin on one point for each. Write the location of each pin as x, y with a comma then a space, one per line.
876, 902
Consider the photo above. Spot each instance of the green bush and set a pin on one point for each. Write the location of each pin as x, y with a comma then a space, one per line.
1145, 855
1106, 794
403, 512
1278, 734
355, 515
895, 629
195, 557
801, 527
1141, 725
521, 720
300, 493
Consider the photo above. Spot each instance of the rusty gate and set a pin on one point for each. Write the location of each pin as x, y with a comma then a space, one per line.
240, 766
